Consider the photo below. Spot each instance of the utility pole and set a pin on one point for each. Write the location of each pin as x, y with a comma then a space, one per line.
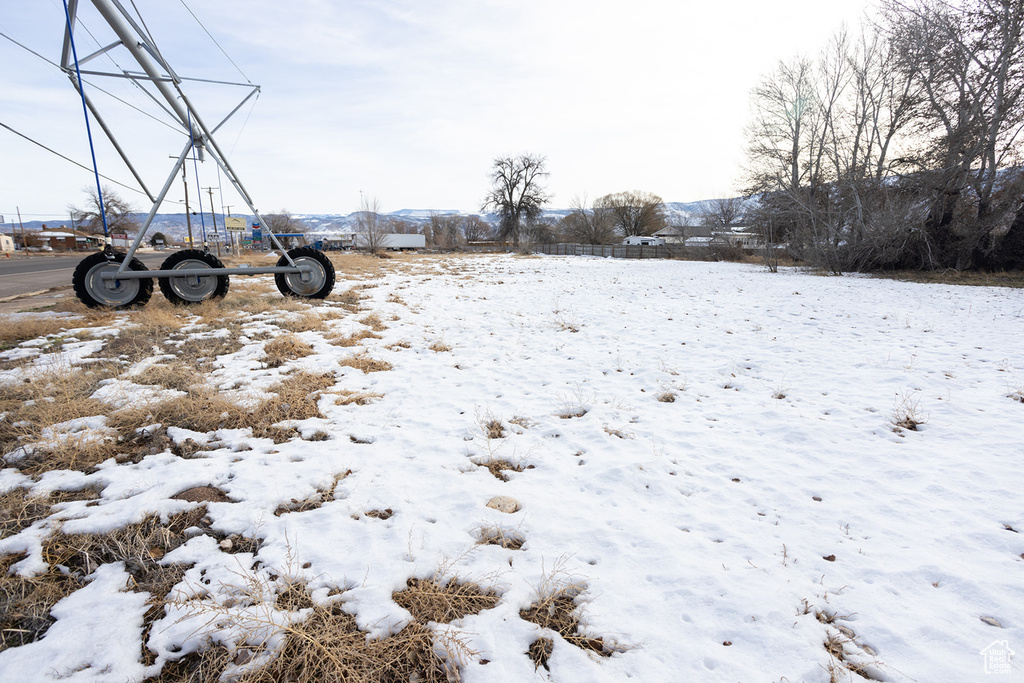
188, 214
24, 244
213, 212
236, 250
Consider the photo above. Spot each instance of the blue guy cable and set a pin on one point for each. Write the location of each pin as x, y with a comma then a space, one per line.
88, 129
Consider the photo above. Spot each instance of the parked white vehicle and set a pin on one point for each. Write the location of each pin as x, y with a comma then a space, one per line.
645, 240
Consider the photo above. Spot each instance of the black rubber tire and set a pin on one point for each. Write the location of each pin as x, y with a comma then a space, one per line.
321, 281
186, 291
92, 291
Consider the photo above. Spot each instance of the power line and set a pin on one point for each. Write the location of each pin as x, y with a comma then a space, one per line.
215, 42
28, 49
52, 151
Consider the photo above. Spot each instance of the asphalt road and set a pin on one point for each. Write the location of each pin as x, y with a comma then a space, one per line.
21, 275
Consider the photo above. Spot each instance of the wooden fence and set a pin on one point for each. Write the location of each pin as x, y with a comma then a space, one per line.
625, 250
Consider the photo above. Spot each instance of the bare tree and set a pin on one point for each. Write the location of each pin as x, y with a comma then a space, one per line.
371, 227
634, 213
119, 212
517, 193
475, 228
444, 230
966, 58
723, 212
819, 155
588, 225
784, 121
400, 226
540, 231
283, 223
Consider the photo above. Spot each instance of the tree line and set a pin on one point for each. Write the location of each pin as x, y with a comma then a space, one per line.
899, 146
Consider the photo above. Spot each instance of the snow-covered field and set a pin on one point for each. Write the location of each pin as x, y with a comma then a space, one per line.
709, 449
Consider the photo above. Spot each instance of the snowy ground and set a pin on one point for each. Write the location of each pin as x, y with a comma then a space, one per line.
715, 533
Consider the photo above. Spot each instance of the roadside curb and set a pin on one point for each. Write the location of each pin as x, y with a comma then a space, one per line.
25, 295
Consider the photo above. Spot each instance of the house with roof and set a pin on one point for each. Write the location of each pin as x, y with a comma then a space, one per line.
680, 234
739, 236
63, 240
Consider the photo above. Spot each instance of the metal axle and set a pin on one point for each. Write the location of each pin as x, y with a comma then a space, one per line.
205, 272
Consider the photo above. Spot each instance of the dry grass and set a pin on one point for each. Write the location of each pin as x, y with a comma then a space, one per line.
47, 399
440, 347
204, 666
958, 277
360, 398
374, 322
365, 363
498, 467
328, 646
324, 495
304, 322
16, 330
140, 546
350, 299
540, 652
430, 600
198, 411
295, 398
493, 428
25, 603
667, 397
556, 609
353, 339
284, 348
906, 413
171, 375
20, 509
201, 352
503, 538
325, 644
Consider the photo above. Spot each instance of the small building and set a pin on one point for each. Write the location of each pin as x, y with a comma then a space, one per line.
738, 236
6, 244
62, 240
680, 234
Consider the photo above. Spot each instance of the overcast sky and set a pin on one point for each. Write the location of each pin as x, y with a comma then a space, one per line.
409, 101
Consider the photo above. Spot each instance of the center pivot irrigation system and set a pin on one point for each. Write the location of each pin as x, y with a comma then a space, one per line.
119, 280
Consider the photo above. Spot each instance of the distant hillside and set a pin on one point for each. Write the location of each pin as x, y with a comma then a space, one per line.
174, 225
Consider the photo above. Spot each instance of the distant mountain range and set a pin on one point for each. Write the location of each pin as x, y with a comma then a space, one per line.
174, 225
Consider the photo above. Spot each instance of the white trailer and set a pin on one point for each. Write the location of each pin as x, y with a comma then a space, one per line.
397, 242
